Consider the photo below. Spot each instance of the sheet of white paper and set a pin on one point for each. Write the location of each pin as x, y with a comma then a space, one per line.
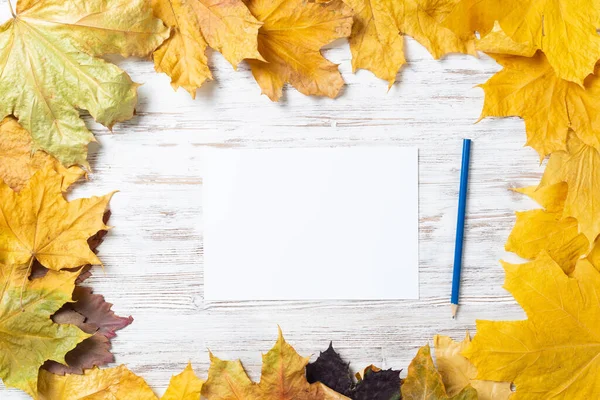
311, 223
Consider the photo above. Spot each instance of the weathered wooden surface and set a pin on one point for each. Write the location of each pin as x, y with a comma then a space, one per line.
153, 256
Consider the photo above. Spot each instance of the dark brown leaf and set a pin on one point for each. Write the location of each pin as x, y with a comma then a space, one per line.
375, 384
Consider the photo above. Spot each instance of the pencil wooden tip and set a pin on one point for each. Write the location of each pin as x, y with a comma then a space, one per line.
454, 308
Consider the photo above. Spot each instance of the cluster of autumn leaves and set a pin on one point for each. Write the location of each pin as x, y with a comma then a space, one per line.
54, 332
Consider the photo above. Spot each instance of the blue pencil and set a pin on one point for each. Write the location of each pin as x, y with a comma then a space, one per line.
460, 224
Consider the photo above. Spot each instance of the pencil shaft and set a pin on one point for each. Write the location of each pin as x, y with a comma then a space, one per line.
460, 221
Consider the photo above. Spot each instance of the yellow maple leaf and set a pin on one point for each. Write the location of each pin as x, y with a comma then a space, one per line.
555, 353
18, 162
537, 230
117, 383
185, 386
28, 337
376, 42
579, 167
423, 381
227, 26
38, 223
564, 31
283, 377
290, 41
529, 88
50, 69
551, 197
457, 372
497, 42
470, 16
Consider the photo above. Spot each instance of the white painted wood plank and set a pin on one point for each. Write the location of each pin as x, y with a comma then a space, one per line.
153, 256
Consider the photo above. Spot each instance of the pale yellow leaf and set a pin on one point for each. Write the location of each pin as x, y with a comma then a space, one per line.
457, 372
424, 382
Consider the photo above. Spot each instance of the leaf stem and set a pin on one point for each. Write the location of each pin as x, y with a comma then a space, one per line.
11, 9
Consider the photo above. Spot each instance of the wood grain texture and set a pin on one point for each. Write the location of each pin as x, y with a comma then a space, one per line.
153, 256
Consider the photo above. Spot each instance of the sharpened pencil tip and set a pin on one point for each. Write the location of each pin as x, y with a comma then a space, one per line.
454, 308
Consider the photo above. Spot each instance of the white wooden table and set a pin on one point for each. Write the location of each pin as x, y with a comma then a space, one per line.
153, 256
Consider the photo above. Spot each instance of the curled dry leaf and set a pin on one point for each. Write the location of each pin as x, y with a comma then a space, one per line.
226, 26
555, 353
457, 372
283, 377
93, 315
373, 383
424, 382
377, 43
18, 161
97, 312
528, 87
50, 68
290, 40
564, 31
92, 352
537, 230
38, 223
579, 167
29, 337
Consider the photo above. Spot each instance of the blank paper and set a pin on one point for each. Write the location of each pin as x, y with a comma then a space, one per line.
311, 223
